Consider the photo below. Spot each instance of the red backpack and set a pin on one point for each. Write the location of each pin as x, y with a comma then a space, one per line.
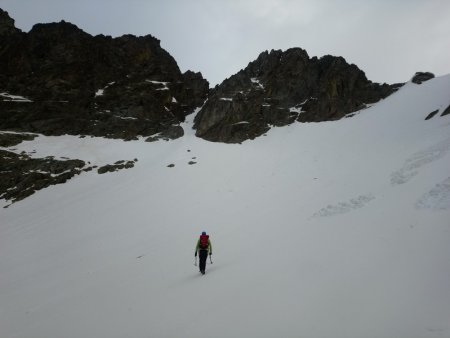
204, 241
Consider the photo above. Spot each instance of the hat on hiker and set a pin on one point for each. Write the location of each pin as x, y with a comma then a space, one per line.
204, 233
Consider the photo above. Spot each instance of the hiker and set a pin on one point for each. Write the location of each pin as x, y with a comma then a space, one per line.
203, 248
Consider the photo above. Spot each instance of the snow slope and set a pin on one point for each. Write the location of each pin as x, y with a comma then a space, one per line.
336, 229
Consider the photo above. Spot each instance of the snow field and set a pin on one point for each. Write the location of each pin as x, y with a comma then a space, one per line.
336, 229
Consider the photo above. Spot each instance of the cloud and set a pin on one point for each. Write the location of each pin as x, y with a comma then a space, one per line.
277, 13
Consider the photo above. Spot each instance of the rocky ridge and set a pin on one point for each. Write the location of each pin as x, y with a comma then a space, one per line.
58, 79
279, 88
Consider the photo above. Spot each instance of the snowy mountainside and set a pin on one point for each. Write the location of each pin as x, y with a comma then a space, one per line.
333, 229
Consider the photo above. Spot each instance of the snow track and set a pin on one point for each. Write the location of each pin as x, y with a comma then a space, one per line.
418, 160
437, 198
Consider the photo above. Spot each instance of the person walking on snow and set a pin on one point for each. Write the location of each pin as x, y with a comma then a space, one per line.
203, 248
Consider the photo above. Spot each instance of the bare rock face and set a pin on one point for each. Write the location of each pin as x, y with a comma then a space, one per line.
279, 88
58, 79
6, 24
73, 83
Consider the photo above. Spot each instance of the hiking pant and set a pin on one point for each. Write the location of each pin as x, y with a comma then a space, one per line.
203, 255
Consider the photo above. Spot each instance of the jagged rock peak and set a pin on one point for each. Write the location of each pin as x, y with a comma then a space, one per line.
57, 30
281, 87
64, 29
7, 24
61, 25
76, 83
267, 60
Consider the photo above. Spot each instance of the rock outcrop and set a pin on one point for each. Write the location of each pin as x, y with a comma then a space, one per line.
420, 77
7, 26
69, 82
446, 111
22, 175
279, 88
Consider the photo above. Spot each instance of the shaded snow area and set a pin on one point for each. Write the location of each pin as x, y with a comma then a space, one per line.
335, 229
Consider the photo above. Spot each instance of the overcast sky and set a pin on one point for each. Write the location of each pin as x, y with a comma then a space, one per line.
388, 39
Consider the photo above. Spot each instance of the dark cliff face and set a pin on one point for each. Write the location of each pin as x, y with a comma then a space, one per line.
7, 24
279, 88
81, 84
124, 87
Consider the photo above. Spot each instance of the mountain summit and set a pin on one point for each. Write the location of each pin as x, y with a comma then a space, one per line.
279, 88
7, 26
70, 82
75, 83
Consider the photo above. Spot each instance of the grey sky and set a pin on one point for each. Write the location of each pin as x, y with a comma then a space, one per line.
388, 39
